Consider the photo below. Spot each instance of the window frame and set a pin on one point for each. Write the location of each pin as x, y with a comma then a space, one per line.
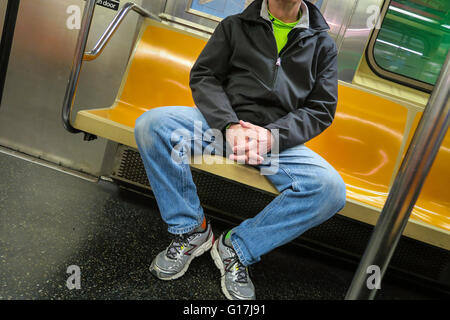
386, 74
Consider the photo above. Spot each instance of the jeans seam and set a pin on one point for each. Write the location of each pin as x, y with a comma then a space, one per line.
239, 253
184, 180
263, 214
184, 230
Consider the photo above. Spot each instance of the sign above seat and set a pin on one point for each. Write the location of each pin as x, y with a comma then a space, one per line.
110, 4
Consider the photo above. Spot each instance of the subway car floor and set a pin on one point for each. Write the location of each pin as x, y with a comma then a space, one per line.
50, 220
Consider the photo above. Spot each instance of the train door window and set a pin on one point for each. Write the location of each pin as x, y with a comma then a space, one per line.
412, 43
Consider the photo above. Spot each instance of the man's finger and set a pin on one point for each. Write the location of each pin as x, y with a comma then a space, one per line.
254, 158
236, 137
247, 125
239, 158
240, 148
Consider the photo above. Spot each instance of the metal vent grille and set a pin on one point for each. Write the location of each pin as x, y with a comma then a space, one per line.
341, 234
130, 167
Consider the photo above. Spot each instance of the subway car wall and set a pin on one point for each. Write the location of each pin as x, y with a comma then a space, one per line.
390, 55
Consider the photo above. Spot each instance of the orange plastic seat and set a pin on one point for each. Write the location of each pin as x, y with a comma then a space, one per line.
363, 143
433, 204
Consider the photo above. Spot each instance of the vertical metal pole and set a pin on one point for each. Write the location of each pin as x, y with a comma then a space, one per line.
71, 89
9, 26
406, 187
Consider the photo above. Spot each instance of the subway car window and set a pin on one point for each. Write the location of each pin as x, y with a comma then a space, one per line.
414, 39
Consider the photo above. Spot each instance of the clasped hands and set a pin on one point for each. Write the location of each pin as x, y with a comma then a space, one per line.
249, 142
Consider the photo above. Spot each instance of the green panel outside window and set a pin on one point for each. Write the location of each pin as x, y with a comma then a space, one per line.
414, 38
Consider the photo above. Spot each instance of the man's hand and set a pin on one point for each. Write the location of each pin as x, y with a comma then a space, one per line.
264, 137
249, 142
245, 139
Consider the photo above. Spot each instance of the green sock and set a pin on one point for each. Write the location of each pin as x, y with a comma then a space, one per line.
227, 238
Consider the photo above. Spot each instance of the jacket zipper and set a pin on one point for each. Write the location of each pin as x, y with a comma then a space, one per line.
277, 66
278, 58
278, 61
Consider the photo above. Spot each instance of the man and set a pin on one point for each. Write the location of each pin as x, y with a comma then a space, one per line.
267, 77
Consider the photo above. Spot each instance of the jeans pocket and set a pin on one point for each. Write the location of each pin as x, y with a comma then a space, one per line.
295, 184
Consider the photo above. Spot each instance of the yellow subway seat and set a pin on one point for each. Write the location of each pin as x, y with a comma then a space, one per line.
363, 143
120, 113
433, 204
159, 72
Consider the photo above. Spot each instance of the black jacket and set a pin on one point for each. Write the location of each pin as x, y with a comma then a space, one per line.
237, 77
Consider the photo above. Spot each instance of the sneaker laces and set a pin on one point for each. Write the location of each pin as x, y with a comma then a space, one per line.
178, 243
241, 270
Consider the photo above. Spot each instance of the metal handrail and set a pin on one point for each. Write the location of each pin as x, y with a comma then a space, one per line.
9, 25
109, 32
81, 55
406, 187
69, 97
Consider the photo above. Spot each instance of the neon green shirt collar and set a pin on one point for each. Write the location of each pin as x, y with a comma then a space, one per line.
282, 24
281, 30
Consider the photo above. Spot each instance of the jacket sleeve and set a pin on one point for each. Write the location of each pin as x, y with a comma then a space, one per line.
317, 113
206, 78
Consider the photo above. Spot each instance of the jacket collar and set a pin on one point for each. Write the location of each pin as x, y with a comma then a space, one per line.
311, 16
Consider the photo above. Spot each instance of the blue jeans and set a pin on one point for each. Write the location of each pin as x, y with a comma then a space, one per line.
311, 190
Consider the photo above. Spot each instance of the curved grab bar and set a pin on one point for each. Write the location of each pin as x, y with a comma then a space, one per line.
69, 97
113, 26
80, 54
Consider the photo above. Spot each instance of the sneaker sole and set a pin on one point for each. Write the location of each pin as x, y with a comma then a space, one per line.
218, 262
196, 253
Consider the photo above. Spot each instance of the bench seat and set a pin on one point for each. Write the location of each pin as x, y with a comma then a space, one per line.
365, 143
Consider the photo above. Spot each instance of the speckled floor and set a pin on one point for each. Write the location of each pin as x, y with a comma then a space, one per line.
50, 220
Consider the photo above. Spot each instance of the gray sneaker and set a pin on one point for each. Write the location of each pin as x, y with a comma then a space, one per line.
173, 262
235, 281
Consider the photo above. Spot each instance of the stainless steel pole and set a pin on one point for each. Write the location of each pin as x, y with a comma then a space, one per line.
406, 187
9, 26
